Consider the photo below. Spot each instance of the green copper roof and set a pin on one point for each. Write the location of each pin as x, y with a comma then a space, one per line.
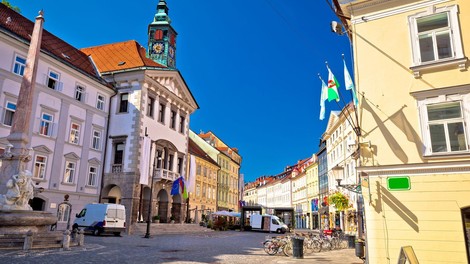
161, 17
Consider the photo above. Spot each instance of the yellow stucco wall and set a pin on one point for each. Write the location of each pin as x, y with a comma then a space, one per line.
388, 113
427, 217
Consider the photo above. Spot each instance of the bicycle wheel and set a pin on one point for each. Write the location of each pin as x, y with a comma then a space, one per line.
287, 249
326, 245
308, 246
270, 247
316, 246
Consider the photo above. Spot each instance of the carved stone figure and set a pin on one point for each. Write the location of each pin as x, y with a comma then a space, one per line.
20, 189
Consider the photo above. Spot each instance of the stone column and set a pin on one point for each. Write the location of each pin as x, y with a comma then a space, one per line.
18, 137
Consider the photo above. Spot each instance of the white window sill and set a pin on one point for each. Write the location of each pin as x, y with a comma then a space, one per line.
460, 63
456, 154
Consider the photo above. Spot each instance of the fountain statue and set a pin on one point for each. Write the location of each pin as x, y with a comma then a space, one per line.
20, 189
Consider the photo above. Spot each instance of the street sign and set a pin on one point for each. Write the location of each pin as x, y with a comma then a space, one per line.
398, 183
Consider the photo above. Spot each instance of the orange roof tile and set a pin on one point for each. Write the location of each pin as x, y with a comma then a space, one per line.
120, 56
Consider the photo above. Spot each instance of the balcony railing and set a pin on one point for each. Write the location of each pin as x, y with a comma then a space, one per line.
116, 168
163, 174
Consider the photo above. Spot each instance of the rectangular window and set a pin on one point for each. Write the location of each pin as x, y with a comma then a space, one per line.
100, 102
436, 36
46, 124
74, 133
173, 119
182, 120
446, 127
123, 104
53, 80
92, 172
170, 162
69, 172
10, 109
19, 66
180, 166
96, 140
150, 106
118, 153
79, 93
161, 113
39, 171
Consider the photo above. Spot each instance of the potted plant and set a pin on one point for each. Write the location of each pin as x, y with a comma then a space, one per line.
172, 219
339, 200
156, 219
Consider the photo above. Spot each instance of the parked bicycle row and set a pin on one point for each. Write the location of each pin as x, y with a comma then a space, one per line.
312, 243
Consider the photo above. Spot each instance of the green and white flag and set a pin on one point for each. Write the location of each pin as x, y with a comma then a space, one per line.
333, 86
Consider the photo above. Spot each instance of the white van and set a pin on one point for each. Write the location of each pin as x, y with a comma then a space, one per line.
101, 218
270, 223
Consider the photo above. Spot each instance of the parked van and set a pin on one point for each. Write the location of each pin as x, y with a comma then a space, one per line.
270, 223
101, 218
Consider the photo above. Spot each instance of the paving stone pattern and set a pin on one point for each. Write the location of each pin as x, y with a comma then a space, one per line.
173, 243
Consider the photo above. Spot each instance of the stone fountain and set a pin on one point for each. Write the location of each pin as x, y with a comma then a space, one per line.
16, 216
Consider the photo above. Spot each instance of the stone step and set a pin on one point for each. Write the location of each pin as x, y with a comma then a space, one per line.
177, 228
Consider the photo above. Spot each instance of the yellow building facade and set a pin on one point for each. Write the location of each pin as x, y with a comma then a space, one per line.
311, 172
413, 84
203, 195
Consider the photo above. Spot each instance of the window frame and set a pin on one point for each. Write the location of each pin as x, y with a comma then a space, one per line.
69, 172
100, 103
123, 103
173, 115
454, 35
79, 93
55, 80
431, 98
50, 124
42, 167
74, 135
182, 124
96, 141
150, 107
92, 177
18, 66
9, 110
161, 112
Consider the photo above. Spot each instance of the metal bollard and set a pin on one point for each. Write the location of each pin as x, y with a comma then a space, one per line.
297, 247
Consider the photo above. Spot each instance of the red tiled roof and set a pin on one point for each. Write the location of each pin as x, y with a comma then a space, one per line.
120, 56
21, 28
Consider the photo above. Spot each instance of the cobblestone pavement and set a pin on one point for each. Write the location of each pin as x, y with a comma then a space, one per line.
178, 243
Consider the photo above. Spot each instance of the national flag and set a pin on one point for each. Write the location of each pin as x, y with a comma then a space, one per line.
323, 97
349, 83
179, 187
333, 86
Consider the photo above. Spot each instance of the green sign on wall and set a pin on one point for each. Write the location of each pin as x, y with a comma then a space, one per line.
398, 183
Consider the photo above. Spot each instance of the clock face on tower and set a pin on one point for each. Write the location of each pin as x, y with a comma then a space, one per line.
158, 48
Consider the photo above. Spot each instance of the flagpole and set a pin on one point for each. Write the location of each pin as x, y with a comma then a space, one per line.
351, 122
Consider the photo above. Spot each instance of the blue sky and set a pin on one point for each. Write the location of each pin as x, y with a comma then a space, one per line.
251, 65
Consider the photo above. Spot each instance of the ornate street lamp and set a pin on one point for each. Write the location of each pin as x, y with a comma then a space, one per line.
157, 158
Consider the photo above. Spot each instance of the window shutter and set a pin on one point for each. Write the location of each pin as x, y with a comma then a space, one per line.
53, 131
60, 86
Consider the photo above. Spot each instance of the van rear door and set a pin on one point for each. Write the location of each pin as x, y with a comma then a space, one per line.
115, 217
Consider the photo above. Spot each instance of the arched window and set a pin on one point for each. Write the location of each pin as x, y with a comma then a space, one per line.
63, 213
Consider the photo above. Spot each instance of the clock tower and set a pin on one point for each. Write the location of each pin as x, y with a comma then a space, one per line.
162, 38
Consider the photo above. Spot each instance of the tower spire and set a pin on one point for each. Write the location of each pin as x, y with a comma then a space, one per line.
162, 38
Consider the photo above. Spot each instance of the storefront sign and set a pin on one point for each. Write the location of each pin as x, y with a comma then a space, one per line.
398, 183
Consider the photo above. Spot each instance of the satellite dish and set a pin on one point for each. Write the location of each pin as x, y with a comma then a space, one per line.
336, 27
